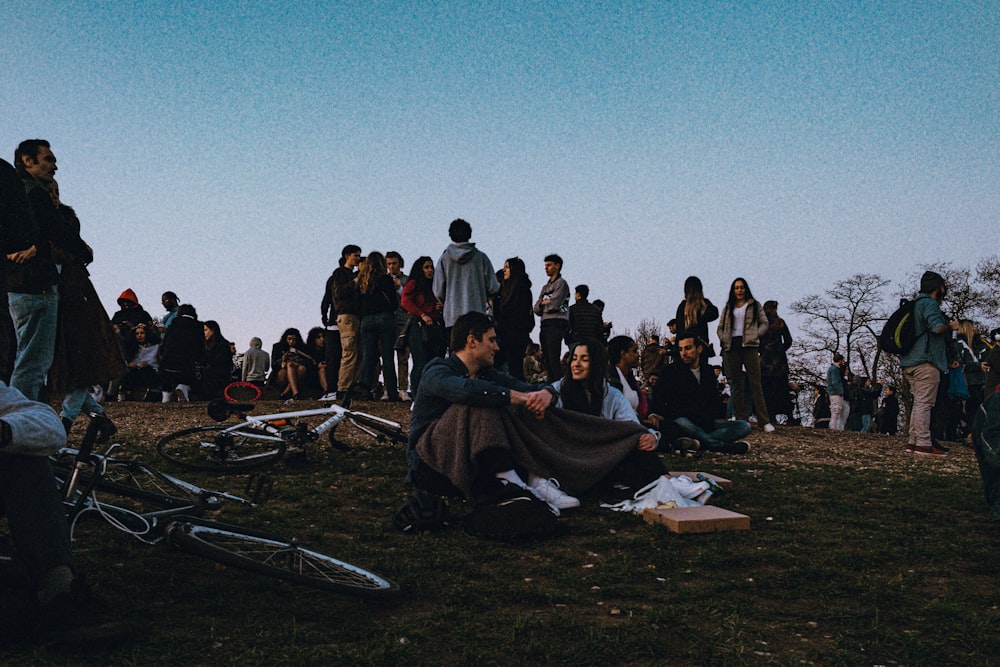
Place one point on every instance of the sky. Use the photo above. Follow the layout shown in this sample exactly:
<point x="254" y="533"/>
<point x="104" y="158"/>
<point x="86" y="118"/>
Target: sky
<point x="228" y="150"/>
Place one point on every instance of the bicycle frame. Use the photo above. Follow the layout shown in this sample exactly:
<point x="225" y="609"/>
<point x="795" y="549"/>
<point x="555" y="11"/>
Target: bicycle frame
<point x="339" y="414"/>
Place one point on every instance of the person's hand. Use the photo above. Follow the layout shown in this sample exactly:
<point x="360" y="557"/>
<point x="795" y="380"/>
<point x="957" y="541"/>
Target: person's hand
<point x="537" y="402"/>
<point x="654" y="420"/>
<point x="647" y="442"/>
<point x="22" y="256"/>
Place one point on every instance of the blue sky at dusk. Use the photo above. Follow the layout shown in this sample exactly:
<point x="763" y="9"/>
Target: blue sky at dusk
<point x="228" y="150"/>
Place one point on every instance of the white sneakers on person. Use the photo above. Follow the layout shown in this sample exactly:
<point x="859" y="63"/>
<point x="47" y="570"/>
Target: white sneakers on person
<point x="769" y="428"/>
<point x="548" y="490"/>
<point x="329" y="396"/>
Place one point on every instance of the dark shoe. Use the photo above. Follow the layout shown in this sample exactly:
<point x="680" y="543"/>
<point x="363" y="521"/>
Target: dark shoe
<point x="105" y="427"/>
<point x="736" y="447"/>
<point x="936" y="444"/>
<point x="78" y="617"/>
<point x="925" y="449"/>
<point x="685" y="445"/>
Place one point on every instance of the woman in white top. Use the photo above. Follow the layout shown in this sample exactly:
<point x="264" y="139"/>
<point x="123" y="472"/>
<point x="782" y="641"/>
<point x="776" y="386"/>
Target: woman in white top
<point x="741" y="326"/>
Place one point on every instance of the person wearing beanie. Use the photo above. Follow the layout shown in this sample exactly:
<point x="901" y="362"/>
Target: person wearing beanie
<point x="926" y="363"/>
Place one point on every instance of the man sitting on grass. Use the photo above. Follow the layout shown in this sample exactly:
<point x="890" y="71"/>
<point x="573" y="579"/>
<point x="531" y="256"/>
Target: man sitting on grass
<point x="688" y="394"/>
<point x="478" y="430"/>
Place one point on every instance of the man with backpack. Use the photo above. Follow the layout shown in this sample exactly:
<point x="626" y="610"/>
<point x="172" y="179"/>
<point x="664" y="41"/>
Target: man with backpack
<point x="926" y="362"/>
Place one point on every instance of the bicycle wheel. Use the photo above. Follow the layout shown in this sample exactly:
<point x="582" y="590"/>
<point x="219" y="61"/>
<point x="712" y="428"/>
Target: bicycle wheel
<point x="274" y="556"/>
<point x="218" y="449"/>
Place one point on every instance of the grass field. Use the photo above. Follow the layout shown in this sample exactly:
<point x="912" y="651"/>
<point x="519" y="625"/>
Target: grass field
<point x="858" y="554"/>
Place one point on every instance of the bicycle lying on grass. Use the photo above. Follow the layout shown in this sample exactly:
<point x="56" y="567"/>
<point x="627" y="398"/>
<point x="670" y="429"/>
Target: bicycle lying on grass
<point x="260" y="440"/>
<point x="155" y="507"/>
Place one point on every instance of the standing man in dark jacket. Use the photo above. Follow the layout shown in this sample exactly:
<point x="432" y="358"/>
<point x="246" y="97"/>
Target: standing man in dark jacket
<point x="17" y="225"/>
<point x="32" y="276"/>
<point x="342" y="304"/>
<point x="585" y="321"/>
<point x="553" y="308"/>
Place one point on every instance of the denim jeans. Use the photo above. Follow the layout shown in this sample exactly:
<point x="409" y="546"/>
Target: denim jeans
<point x="79" y="400"/>
<point x="34" y="317"/>
<point x="723" y="432"/>
<point x="378" y="335"/>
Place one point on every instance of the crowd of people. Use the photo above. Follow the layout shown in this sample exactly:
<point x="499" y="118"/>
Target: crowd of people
<point x="607" y="424"/>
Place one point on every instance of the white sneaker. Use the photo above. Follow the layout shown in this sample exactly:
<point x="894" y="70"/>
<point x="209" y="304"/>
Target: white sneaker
<point x="768" y="428"/>
<point x="548" y="490"/>
<point x="182" y="392"/>
<point x="329" y="396"/>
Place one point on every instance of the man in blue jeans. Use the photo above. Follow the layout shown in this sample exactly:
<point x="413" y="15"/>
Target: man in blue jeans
<point x="687" y="394"/>
<point x="32" y="275"/>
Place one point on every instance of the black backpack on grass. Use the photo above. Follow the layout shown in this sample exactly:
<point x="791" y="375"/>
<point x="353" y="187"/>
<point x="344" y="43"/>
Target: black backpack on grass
<point x="515" y="514"/>
<point x="900" y="331"/>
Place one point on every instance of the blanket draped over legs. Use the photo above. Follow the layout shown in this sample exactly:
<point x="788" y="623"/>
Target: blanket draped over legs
<point x="578" y="449"/>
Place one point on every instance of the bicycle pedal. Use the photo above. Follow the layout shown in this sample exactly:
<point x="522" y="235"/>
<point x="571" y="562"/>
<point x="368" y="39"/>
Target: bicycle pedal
<point x="258" y="487"/>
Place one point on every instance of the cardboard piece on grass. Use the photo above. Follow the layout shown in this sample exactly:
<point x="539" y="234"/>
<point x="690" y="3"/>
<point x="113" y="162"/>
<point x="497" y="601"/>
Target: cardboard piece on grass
<point x="702" y="519"/>
<point x="721" y="481"/>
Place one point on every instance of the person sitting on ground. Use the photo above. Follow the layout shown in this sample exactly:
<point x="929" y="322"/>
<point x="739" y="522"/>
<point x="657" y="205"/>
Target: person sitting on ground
<point x="623" y="356"/>
<point x="142" y="354"/>
<point x="316" y="349"/>
<point x="289" y="364"/>
<point x="476" y="430"/>
<point x="688" y="394"/>
<point x="534" y="369"/>
<point x="586" y="389"/>
<point x="256" y="363"/>
<point x="216" y="362"/>
<point x="130" y="313"/>
<point x="61" y="607"/>
<point x="180" y="351"/>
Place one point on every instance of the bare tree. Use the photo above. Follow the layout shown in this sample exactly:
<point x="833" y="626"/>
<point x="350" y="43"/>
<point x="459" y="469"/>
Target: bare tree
<point x="845" y="319"/>
<point x="968" y="298"/>
<point x="988" y="273"/>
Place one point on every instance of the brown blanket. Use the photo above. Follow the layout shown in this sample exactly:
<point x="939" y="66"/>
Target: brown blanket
<point x="577" y="449"/>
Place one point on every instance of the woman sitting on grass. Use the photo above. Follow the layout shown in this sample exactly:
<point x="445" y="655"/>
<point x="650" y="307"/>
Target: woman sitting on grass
<point x="289" y="364"/>
<point x="585" y="389"/>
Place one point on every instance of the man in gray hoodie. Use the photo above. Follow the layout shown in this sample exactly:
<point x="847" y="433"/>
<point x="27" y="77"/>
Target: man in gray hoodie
<point x="464" y="278"/>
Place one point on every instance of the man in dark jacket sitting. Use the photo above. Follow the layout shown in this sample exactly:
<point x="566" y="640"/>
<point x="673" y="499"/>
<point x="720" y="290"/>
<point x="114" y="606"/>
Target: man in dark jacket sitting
<point x="688" y="395"/>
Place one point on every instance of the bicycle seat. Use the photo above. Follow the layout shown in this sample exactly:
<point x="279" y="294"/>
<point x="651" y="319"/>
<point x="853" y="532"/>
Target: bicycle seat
<point x="219" y="410"/>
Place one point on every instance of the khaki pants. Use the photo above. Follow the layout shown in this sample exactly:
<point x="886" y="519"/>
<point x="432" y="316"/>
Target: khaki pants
<point x="350" y="343"/>
<point x="924" y="379"/>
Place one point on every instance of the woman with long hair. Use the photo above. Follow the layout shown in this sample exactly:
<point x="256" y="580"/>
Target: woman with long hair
<point x="585" y="389"/>
<point x="426" y="332"/>
<point x="623" y="356"/>
<point x="379" y="301"/>
<point x="741" y="327"/>
<point x="515" y="320"/>
<point x="216" y="363"/>
<point x="695" y="312"/>
<point x="316" y="348"/>
<point x="289" y="364"/>
<point x="86" y="348"/>
<point x="971" y="357"/>
<point x="774" y="346"/>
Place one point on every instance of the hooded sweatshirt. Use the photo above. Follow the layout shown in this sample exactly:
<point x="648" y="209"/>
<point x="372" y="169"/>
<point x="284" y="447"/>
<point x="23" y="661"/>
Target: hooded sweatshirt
<point x="464" y="280"/>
